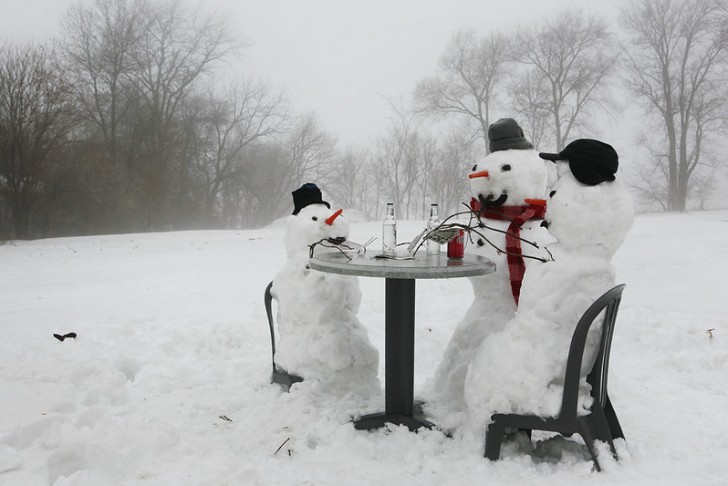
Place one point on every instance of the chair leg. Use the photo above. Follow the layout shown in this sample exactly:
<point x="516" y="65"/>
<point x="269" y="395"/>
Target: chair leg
<point x="601" y="427"/>
<point x="284" y="379"/>
<point x="614" y="426"/>
<point x="493" y="438"/>
<point x="586" y="434"/>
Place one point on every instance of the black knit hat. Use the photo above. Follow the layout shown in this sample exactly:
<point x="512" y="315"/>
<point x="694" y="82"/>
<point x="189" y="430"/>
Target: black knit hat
<point x="308" y="193"/>
<point x="591" y="161"/>
<point x="506" y="134"/>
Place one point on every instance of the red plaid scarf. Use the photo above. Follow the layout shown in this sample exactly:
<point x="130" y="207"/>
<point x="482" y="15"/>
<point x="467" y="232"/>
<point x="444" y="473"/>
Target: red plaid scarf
<point x="517" y="215"/>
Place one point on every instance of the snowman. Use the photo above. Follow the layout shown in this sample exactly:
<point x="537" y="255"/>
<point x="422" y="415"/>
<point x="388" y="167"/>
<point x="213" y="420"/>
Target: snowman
<point x="521" y="368"/>
<point x="321" y="338"/>
<point x="508" y="188"/>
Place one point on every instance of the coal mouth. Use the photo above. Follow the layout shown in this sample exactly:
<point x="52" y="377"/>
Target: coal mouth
<point x="337" y="241"/>
<point x="491" y="202"/>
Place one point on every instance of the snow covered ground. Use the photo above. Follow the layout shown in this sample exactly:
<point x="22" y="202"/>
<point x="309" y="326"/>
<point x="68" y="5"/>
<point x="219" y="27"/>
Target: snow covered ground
<point x="167" y="380"/>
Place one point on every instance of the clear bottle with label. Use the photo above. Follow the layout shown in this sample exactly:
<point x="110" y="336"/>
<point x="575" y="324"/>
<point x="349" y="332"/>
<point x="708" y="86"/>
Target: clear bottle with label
<point x="433" y="247"/>
<point x="389" y="231"/>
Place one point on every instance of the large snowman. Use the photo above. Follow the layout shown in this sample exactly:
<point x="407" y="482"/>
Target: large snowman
<point x="508" y="187"/>
<point x="520" y="369"/>
<point x="321" y="338"/>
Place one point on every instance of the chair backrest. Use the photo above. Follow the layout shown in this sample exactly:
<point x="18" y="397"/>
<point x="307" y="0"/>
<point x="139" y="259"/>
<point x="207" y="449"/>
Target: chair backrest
<point x="267" y="299"/>
<point x="597" y="378"/>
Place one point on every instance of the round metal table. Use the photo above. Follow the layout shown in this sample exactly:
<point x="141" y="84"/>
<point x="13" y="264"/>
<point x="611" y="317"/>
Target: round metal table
<point x="399" y="319"/>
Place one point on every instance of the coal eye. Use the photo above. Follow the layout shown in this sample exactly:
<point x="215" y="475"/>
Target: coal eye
<point x="551" y="194"/>
<point x="314" y="218"/>
<point x="506" y="168"/>
<point x="475" y="167"/>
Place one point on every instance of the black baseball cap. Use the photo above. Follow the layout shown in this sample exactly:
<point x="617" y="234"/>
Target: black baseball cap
<point x="591" y="161"/>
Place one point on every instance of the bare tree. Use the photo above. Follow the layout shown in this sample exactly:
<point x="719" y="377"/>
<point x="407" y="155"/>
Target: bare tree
<point x="396" y="162"/>
<point x="259" y="192"/>
<point x="97" y="43"/>
<point x="425" y="152"/>
<point x="529" y="95"/>
<point x="703" y="183"/>
<point x="246" y="112"/>
<point x="176" y="48"/>
<point x="36" y="117"/>
<point x="136" y="66"/>
<point x="574" y="56"/>
<point x="349" y="180"/>
<point x="677" y="63"/>
<point x="470" y="73"/>
<point x="649" y="180"/>
<point x="448" y="181"/>
<point x="310" y="150"/>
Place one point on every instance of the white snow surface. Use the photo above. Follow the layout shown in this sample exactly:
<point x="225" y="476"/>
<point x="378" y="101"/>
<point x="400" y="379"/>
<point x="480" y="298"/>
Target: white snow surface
<point x="168" y="380"/>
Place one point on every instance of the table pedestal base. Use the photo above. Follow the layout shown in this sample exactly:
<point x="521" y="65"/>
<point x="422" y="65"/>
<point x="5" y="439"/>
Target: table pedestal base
<point x="399" y="361"/>
<point x="378" y="420"/>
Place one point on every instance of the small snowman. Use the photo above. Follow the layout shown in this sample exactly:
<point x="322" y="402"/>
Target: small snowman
<point x="321" y="338"/>
<point x="509" y="189"/>
<point x="521" y="368"/>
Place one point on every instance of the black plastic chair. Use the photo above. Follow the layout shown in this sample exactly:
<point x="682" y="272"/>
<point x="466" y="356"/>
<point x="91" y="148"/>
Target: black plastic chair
<point x="601" y="423"/>
<point x="279" y="375"/>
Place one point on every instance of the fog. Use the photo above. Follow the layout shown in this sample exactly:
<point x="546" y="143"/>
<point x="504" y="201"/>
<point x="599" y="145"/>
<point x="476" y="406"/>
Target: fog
<point x="373" y="101"/>
<point x="343" y="60"/>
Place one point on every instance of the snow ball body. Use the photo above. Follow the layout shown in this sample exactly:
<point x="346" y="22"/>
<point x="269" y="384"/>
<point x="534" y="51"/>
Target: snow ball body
<point x="521" y="368"/>
<point x="588" y="220"/>
<point x="321" y="337"/>
<point x="514" y="176"/>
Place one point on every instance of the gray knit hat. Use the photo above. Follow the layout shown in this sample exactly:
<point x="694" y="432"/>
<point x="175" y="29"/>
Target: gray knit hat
<point x="506" y="134"/>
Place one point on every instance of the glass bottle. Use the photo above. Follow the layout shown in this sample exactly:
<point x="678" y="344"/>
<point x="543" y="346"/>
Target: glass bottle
<point x="389" y="231"/>
<point x="433" y="247"/>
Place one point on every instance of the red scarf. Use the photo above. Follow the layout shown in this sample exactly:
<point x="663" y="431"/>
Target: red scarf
<point x="517" y="215"/>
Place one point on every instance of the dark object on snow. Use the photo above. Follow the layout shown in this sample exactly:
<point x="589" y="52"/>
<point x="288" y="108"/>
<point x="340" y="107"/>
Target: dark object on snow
<point x="601" y="423"/>
<point x="308" y="193"/>
<point x="506" y="134"/>
<point x="61" y="337"/>
<point x="591" y="161"/>
<point x="280" y="376"/>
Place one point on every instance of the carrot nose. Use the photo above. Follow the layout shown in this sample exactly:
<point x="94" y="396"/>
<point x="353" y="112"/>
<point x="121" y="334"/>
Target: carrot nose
<point x="331" y="218"/>
<point x="482" y="173"/>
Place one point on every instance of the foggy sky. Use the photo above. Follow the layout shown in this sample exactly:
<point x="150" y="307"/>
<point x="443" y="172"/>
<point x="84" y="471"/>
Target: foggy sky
<point x="339" y="58"/>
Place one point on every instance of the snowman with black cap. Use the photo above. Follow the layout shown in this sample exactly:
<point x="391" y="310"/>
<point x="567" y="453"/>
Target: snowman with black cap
<point x="520" y="369"/>
<point x="321" y="338"/>
<point x="508" y="189"/>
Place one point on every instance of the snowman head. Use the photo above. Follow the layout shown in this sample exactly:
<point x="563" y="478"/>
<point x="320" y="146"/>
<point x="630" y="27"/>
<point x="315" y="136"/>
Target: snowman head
<point x="508" y="178"/>
<point x="312" y="224"/>
<point x="589" y="211"/>
<point x="512" y="172"/>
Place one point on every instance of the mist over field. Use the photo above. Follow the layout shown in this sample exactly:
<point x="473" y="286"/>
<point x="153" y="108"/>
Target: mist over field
<point x="177" y="115"/>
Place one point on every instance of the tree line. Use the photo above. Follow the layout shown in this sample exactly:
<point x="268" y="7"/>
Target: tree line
<point x="130" y="122"/>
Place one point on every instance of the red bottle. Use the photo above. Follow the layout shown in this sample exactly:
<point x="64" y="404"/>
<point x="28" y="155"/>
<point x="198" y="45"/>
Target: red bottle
<point x="456" y="246"/>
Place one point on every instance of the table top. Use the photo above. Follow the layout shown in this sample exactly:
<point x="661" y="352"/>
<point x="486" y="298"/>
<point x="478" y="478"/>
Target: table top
<point x="422" y="266"/>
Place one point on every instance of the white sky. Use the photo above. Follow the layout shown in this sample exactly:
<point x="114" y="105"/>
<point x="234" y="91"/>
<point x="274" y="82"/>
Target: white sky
<point x="342" y="59"/>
